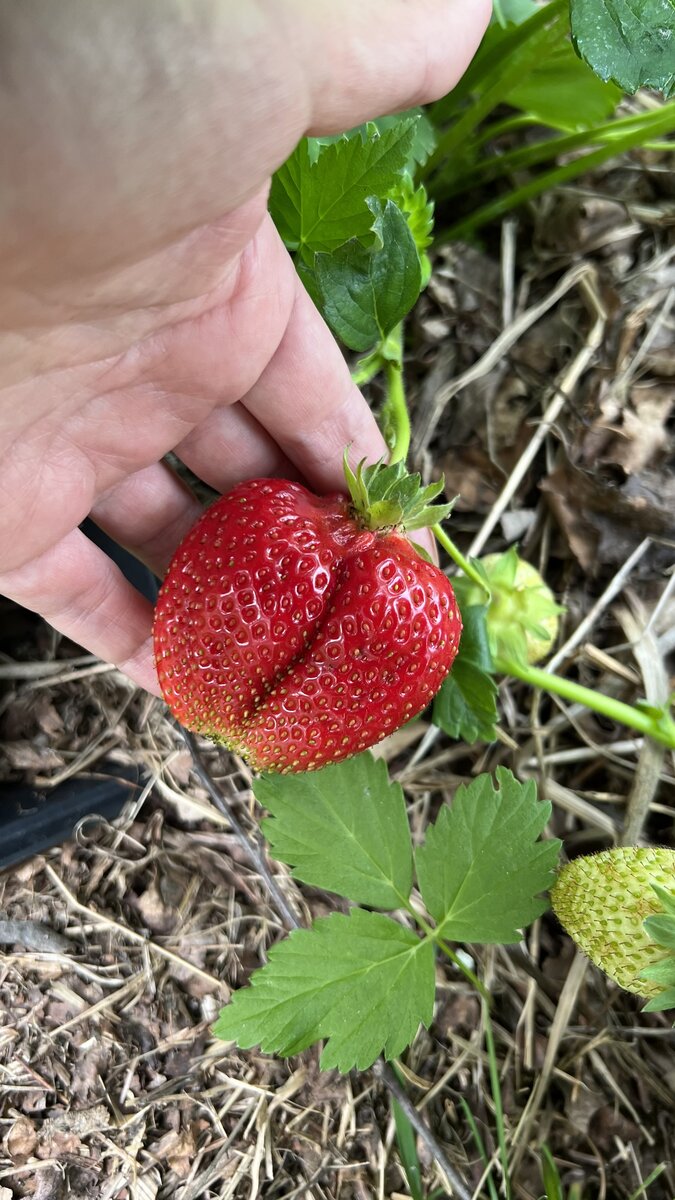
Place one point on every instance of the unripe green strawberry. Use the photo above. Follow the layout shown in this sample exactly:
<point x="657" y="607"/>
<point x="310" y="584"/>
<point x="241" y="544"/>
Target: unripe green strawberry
<point x="603" y="899"/>
<point x="298" y="629"/>
<point x="523" y="617"/>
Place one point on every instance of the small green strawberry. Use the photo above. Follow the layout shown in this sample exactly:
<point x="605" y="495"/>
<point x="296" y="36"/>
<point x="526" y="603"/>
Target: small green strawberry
<point x="523" y="616"/>
<point x="619" y="906"/>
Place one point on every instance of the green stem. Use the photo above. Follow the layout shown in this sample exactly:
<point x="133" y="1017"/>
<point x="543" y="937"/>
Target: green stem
<point x="654" y="723"/>
<point x="497" y="1098"/>
<point x="427" y="929"/>
<point x="550" y="179"/>
<point x="491" y="1052"/>
<point x="365" y="370"/>
<point x="397" y="413"/>
<point x="496" y="166"/>
<point x="492" y="77"/>
<point x="461" y="966"/>
<point x="396" y="417"/>
<point x="499" y="128"/>
<point x="463" y="563"/>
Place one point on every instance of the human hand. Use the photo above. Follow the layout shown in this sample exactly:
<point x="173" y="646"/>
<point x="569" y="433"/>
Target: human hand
<point x="147" y="303"/>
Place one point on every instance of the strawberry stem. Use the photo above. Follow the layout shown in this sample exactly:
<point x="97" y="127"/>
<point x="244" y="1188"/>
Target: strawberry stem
<point x="396" y="419"/>
<point x="465" y="970"/>
<point x="654" y="722"/>
<point x="463" y="563"/>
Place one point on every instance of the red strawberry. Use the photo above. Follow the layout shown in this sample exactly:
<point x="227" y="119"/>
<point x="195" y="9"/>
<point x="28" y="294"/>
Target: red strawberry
<point x="300" y="629"/>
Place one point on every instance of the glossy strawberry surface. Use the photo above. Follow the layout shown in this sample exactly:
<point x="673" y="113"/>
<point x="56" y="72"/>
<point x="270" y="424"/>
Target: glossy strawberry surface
<point x="296" y="637"/>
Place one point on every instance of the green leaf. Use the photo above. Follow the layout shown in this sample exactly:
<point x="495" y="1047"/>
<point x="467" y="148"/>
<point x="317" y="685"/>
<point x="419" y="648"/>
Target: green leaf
<point x="667" y="899"/>
<point x="365" y="293"/>
<point x="406" y="1139"/>
<point x="466" y="707"/>
<point x="481" y="868"/>
<point x="424" y="135"/>
<point x="661" y="972"/>
<point x="661" y="1002"/>
<point x="631" y="42"/>
<point x="550" y="1176"/>
<point x="343" y="828"/>
<point x="423" y="142"/>
<point x="321" y="205"/>
<point x="506" y="56"/>
<point x="512" y="12"/>
<point x="661" y="929"/>
<point x="362" y="980"/>
<point x="419" y="213"/>
<point x="565" y="93"/>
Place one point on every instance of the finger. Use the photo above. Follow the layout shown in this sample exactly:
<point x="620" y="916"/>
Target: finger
<point x="306" y="400"/>
<point x="77" y="588"/>
<point x="230" y="446"/>
<point x="363" y="60"/>
<point x="149" y="513"/>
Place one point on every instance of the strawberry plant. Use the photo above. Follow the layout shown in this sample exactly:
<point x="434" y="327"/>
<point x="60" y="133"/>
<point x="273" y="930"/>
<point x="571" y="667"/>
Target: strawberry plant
<point x="363" y="981"/>
<point x="527" y="76"/>
<point x="299" y="630"/>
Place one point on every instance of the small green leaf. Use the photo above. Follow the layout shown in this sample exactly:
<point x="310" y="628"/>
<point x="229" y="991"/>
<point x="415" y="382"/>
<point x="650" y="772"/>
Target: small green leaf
<point x="424" y="137"/>
<point x="321" y="204"/>
<point x="667" y="899"/>
<point x="365" y="293"/>
<point x="481" y="868"/>
<point x="362" y="980"/>
<point x="419" y="213"/>
<point x="388" y="495"/>
<point x="663" y="1001"/>
<point x="661" y="929"/>
<point x="406" y="1139"/>
<point x="631" y="42"/>
<point x="423" y="143"/>
<point x="466" y="705"/>
<point x="512" y="12"/>
<point x="550" y="1176"/>
<point x="565" y="93"/>
<point x="661" y="972"/>
<point x="343" y="828"/>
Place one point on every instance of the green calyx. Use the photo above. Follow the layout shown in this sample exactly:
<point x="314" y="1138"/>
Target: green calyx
<point x="388" y="497"/>
<point x="523" y="617"/>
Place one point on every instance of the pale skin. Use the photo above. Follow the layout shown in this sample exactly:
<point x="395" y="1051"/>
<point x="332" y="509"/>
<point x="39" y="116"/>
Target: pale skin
<point x="146" y="301"/>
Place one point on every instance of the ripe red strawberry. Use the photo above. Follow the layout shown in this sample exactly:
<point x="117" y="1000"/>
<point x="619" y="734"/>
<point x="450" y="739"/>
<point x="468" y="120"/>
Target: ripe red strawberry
<point x="301" y="629"/>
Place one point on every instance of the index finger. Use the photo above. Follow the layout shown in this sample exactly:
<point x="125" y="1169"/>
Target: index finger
<point x="306" y="399"/>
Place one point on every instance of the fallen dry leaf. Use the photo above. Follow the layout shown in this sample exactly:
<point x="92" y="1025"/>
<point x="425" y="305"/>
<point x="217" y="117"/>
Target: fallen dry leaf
<point x="57" y="1143"/>
<point x="631" y="434"/>
<point x="178" y="1150"/>
<point x="21" y="1140"/>
<point x="603" y="523"/>
<point x="154" y="911"/>
<point x="25" y="756"/>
